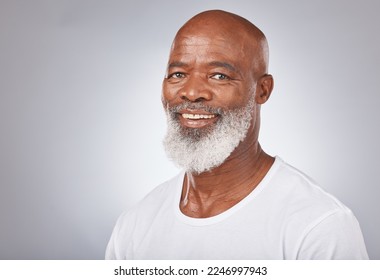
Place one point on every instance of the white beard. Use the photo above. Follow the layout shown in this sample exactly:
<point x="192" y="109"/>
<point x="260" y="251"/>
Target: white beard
<point x="200" y="150"/>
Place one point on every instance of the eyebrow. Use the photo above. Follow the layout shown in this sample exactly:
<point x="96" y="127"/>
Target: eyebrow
<point x="177" y="64"/>
<point x="212" y="63"/>
<point x="224" y="65"/>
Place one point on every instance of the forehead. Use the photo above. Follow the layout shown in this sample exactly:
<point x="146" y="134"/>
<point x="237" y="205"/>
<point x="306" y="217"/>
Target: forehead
<point x="211" y="47"/>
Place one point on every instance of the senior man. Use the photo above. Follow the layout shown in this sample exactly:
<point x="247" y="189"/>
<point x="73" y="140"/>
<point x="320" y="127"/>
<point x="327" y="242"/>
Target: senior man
<point x="232" y="200"/>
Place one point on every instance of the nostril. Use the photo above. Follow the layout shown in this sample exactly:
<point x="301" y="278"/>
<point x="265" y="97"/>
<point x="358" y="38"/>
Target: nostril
<point x="199" y="99"/>
<point x="195" y="93"/>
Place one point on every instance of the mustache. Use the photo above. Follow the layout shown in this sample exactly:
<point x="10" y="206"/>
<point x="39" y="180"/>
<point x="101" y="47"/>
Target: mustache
<point x="195" y="106"/>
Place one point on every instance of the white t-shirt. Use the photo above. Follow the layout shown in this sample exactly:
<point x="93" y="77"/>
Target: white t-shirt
<point x="287" y="216"/>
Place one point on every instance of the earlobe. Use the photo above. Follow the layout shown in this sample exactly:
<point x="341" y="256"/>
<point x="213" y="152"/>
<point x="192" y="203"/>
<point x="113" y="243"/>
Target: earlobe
<point x="264" y="88"/>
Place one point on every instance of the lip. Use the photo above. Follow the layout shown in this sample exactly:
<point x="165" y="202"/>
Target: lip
<point x="202" y="118"/>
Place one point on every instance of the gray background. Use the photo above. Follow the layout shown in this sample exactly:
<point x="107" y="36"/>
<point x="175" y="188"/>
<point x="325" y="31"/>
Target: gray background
<point x="81" y="120"/>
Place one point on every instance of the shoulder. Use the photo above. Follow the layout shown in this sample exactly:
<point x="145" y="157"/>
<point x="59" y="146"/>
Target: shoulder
<point x="301" y="192"/>
<point x="296" y="199"/>
<point x="161" y="196"/>
<point x="140" y="217"/>
<point x="318" y="225"/>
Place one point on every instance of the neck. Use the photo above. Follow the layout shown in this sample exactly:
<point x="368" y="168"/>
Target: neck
<point x="213" y="192"/>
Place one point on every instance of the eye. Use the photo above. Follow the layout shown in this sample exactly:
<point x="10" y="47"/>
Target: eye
<point x="176" y="75"/>
<point x="219" y="76"/>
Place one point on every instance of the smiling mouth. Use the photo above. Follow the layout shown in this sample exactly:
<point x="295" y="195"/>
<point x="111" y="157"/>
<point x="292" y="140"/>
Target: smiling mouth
<point x="197" y="116"/>
<point x="199" y="120"/>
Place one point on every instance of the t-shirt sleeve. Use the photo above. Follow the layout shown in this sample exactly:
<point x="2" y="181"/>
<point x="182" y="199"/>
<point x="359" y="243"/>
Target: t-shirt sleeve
<point x="111" y="250"/>
<point x="111" y="253"/>
<point x="334" y="236"/>
<point x="118" y="247"/>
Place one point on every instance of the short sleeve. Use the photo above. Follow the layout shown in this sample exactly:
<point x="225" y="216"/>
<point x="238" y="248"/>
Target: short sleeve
<point x="119" y="245"/>
<point x="334" y="236"/>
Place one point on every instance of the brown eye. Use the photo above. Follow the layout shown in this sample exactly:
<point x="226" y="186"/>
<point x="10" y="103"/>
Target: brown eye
<point x="219" y="76"/>
<point x="177" y="75"/>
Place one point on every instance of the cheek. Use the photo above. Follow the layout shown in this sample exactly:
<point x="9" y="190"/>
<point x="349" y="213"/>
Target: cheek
<point x="230" y="98"/>
<point x="169" y="93"/>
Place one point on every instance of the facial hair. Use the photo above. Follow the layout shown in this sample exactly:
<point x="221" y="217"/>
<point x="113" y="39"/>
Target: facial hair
<point x="198" y="150"/>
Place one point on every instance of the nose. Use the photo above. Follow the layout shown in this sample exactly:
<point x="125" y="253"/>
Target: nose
<point x="195" y="90"/>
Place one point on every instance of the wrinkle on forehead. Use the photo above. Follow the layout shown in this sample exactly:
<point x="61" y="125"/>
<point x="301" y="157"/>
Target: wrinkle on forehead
<point x="204" y="40"/>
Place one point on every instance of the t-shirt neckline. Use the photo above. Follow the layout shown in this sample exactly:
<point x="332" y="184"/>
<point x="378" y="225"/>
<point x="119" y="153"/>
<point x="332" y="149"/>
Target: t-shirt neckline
<point x="224" y="215"/>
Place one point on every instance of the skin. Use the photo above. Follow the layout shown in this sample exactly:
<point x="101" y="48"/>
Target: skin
<point x="221" y="60"/>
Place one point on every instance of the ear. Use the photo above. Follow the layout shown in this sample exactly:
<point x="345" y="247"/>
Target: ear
<point x="264" y="88"/>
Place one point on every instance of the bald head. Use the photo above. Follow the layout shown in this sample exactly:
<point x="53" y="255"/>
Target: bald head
<point x="215" y="24"/>
<point x="214" y="52"/>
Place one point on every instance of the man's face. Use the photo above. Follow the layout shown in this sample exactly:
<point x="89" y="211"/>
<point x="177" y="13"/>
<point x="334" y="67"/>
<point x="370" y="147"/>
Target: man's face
<point x="209" y="69"/>
<point x="208" y="93"/>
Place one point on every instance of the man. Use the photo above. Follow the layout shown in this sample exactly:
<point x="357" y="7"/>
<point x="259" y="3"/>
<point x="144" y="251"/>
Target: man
<point x="232" y="200"/>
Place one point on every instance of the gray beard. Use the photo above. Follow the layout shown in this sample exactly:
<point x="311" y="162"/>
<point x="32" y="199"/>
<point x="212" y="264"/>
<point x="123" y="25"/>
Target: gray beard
<point x="201" y="150"/>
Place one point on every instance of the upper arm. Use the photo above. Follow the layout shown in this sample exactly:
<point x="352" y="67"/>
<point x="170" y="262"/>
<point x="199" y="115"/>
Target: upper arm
<point x="337" y="235"/>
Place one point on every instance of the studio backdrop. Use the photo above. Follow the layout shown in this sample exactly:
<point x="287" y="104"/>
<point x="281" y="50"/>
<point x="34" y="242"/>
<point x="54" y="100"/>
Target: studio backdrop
<point x="82" y="124"/>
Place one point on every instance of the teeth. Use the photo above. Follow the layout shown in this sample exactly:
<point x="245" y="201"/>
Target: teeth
<point x="196" y="116"/>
